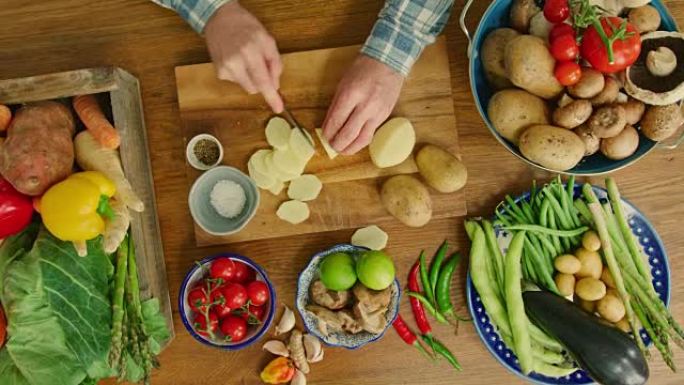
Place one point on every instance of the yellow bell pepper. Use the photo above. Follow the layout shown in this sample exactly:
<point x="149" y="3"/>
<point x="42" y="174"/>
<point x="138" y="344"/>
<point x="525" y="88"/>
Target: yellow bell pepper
<point x="72" y="209"/>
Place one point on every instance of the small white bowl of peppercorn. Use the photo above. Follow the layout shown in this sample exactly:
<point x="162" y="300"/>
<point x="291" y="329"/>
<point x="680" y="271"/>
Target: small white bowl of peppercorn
<point x="204" y="151"/>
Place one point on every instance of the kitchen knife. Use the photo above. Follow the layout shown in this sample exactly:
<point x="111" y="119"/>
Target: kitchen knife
<point x="293" y="122"/>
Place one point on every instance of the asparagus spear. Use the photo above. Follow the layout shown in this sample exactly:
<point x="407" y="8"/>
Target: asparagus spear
<point x="118" y="303"/>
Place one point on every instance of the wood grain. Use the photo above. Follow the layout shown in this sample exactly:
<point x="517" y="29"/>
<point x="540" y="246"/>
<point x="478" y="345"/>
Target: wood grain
<point x="350" y="196"/>
<point x="148" y="41"/>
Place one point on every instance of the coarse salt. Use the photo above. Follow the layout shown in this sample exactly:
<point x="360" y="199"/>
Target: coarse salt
<point x="228" y="198"/>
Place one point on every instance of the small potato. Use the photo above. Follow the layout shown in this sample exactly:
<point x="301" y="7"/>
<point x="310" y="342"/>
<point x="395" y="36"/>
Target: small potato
<point x="634" y="110"/>
<point x="407" y="199"/>
<point x="530" y="66"/>
<point x="623" y="325"/>
<point x="591" y="263"/>
<point x="440" y="169"/>
<point x="567" y="264"/>
<point x="607" y="121"/>
<point x="591" y="142"/>
<point x="621" y="146"/>
<point x="591" y="241"/>
<point x="591" y="84"/>
<point x="552" y="147"/>
<point x="645" y="18"/>
<point x="611" y="308"/>
<point x="572" y="114"/>
<point x="609" y="94"/>
<point x="590" y="289"/>
<point x="492" y="54"/>
<point x="588" y="306"/>
<point x="607" y="278"/>
<point x="565" y="284"/>
<point x="512" y="111"/>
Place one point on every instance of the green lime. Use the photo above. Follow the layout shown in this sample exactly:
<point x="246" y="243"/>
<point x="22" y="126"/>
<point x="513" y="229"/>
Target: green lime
<point x="337" y="271"/>
<point x="375" y="270"/>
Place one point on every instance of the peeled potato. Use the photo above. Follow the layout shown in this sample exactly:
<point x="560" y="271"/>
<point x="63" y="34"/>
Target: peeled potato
<point x="332" y="154"/>
<point x="259" y="171"/>
<point x="371" y="237"/>
<point x="288" y="163"/>
<point x="278" y="132"/>
<point x="301" y="146"/>
<point x="393" y="143"/>
<point x="275" y="172"/>
<point x="305" y="188"/>
<point x="293" y="211"/>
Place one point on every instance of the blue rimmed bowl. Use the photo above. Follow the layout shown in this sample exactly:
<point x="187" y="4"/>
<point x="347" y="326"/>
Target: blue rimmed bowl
<point x="651" y="246"/>
<point x="200" y="271"/>
<point x="497" y="16"/>
<point x="303" y="298"/>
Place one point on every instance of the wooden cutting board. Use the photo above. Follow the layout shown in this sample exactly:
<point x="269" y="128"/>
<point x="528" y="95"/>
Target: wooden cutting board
<point x="350" y="196"/>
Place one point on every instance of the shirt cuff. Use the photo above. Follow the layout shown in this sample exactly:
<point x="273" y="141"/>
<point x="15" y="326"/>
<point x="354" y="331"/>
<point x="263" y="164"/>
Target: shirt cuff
<point x="390" y="45"/>
<point x="201" y="12"/>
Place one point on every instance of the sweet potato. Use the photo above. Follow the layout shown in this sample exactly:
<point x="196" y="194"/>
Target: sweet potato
<point x="39" y="149"/>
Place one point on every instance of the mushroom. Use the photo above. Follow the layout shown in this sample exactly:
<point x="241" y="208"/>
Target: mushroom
<point x="572" y="114"/>
<point x="661" y="61"/>
<point x="622" y="145"/>
<point x="521" y="13"/>
<point x="634" y="110"/>
<point x="607" y="121"/>
<point x="591" y="141"/>
<point x="590" y="84"/>
<point x="642" y="80"/>
<point x="645" y="18"/>
<point x="660" y="122"/>
<point x="608" y="94"/>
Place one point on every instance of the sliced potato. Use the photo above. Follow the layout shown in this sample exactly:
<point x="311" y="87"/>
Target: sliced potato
<point x="332" y="154"/>
<point x="392" y="143"/>
<point x="371" y="237"/>
<point x="293" y="211"/>
<point x="277" y="187"/>
<point x="288" y="163"/>
<point x="305" y="188"/>
<point x="278" y="133"/>
<point x="256" y="166"/>
<point x="276" y="172"/>
<point x="301" y="146"/>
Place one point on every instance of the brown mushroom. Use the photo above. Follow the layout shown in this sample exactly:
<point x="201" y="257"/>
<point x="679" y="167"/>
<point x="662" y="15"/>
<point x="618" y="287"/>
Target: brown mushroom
<point x="608" y="94"/>
<point x="590" y="84"/>
<point x="572" y="114"/>
<point x="521" y="13"/>
<point x="661" y="122"/>
<point x="607" y="121"/>
<point x="622" y="145"/>
<point x="661" y="61"/>
<point x="634" y="110"/>
<point x="645" y="18"/>
<point x="591" y="141"/>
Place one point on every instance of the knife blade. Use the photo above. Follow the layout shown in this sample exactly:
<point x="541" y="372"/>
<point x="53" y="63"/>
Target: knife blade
<point x="293" y="122"/>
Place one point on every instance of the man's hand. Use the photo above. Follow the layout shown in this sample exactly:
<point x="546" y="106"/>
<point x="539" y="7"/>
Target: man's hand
<point x="364" y="98"/>
<point x="244" y="52"/>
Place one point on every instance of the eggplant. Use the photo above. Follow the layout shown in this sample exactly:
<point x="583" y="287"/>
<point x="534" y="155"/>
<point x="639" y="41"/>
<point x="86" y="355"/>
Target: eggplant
<point x="606" y="353"/>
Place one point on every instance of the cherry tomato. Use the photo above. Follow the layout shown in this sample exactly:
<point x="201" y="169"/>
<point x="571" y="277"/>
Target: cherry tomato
<point x="198" y="299"/>
<point x="223" y="268"/>
<point x="556" y="11"/>
<point x="625" y="51"/>
<point x="257" y="292"/>
<point x="567" y="72"/>
<point x="564" y="48"/>
<point x="235" y="295"/>
<point x="561" y="29"/>
<point x="234" y="328"/>
<point x="243" y="273"/>
<point x="200" y="323"/>
<point x="219" y="300"/>
<point x="254" y="315"/>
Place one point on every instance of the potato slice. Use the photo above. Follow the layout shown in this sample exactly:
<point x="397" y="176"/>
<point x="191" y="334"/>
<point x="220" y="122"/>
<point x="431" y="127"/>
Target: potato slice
<point x="332" y="154"/>
<point x="277" y="187"/>
<point x="371" y="237"/>
<point x="276" y="172"/>
<point x="288" y="163"/>
<point x="305" y="188"/>
<point x="258" y="171"/>
<point x="392" y="143"/>
<point x="293" y="211"/>
<point x="278" y="132"/>
<point x="301" y="146"/>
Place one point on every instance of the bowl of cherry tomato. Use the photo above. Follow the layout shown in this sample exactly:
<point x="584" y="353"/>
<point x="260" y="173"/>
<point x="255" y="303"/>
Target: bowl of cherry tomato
<point x="227" y="301"/>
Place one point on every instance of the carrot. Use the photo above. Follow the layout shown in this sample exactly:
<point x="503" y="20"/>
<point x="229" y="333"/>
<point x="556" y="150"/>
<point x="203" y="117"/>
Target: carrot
<point x="95" y="121"/>
<point x="5" y="117"/>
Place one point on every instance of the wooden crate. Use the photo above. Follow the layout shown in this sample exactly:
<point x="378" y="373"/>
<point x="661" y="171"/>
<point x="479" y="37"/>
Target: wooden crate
<point x="122" y="91"/>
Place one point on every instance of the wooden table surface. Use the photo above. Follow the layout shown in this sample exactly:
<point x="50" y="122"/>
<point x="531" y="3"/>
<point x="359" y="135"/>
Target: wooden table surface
<point x="48" y="36"/>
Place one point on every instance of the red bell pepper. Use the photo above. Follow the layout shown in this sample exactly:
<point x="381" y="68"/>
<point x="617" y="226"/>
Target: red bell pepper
<point x="16" y="210"/>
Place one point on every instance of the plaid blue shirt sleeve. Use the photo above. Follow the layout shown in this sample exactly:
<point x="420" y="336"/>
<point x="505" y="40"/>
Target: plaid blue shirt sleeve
<point x="195" y="12"/>
<point x="404" y="28"/>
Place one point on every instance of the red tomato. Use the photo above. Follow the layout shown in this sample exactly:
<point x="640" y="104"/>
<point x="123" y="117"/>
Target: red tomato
<point x="223" y="268"/>
<point x="257" y="292"/>
<point x="243" y="273"/>
<point x="567" y="72"/>
<point x="219" y="300"/>
<point x="564" y="48"/>
<point x="198" y="299"/>
<point x="235" y="295"/>
<point x="561" y="29"/>
<point x="625" y="51"/>
<point x="234" y="328"/>
<point x="200" y="323"/>
<point x="254" y="316"/>
<point x="556" y="11"/>
<point x="222" y="311"/>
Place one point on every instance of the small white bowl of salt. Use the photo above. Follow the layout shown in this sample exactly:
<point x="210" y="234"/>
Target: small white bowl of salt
<point x="223" y="200"/>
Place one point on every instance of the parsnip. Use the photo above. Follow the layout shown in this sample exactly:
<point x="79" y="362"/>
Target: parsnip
<point x="90" y="155"/>
<point x="117" y="227"/>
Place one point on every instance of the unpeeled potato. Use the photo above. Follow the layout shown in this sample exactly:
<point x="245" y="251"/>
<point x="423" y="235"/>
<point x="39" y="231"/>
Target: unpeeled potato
<point x="441" y="170"/>
<point x="407" y="199"/>
<point x="552" y="147"/>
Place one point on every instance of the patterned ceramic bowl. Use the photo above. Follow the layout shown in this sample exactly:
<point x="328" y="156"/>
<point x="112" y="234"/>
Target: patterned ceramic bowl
<point x="651" y="245"/>
<point x="338" y="339"/>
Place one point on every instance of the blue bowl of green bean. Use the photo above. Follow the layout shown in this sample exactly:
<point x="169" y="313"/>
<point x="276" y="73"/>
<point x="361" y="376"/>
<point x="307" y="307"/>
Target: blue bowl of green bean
<point x="652" y="247"/>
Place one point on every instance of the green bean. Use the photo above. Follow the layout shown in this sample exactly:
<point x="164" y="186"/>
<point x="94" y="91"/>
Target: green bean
<point x="514" y="206"/>
<point x="516" y="307"/>
<point x="528" y="263"/>
<point x="556" y="207"/>
<point x="542" y="268"/>
<point x="544" y="230"/>
<point x="495" y="252"/>
<point x="437" y="264"/>
<point x="547" y="356"/>
<point x="543" y="339"/>
<point x="470" y="228"/>
<point x="552" y="370"/>
<point x="443" y="287"/>
<point x="425" y="281"/>
<point x="543" y="213"/>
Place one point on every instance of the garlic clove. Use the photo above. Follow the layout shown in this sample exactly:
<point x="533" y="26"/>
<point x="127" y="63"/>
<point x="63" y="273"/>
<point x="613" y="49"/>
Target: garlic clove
<point x="317" y="358"/>
<point x="287" y="322"/>
<point x="299" y="378"/>
<point x="277" y="347"/>
<point x="312" y="346"/>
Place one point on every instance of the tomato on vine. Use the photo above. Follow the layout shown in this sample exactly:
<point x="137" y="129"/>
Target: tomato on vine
<point x="565" y="48"/>
<point x="556" y="11"/>
<point x="611" y="44"/>
<point x="200" y="324"/>
<point x="568" y="73"/>
<point x="234" y="328"/>
<point x="561" y="29"/>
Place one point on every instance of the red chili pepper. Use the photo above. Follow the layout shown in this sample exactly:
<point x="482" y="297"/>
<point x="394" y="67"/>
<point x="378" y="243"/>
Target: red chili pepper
<point x="407" y="335"/>
<point x="16" y="210"/>
<point x="418" y="310"/>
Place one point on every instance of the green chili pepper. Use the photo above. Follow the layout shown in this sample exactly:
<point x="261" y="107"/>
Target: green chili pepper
<point x="428" y="306"/>
<point x="437" y="265"/>
<point x="425" y="280"/>
<point x="442" y="350"/>
<point x="443" y="291"/>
